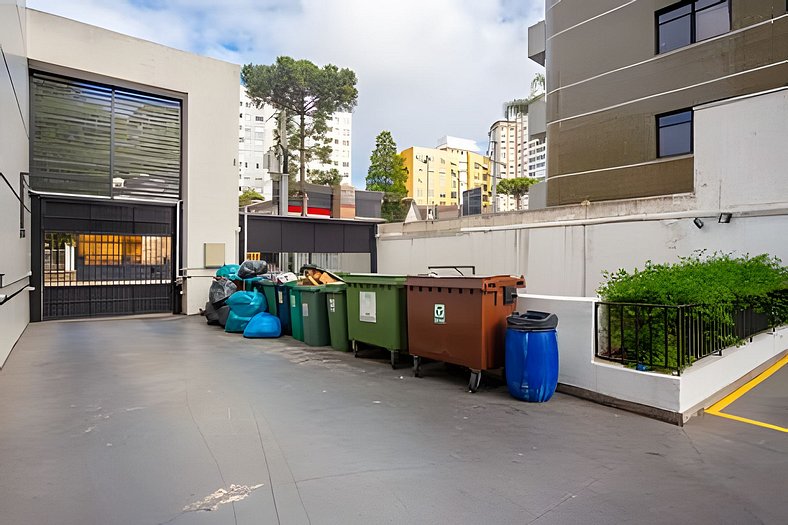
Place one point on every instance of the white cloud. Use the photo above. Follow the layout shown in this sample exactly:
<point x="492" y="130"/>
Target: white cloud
<point x="426" y="68"/>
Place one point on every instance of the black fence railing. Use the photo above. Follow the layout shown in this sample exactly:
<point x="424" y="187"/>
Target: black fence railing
<point x="670" y="338"/>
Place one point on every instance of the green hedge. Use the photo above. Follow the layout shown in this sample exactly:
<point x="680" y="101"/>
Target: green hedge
<point x="759" y="282"/>
<point x="719" y="284"/>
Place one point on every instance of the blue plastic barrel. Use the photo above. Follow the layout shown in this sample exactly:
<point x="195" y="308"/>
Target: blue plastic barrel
<point x="283" y="308"/>
<point x="532" y="355"/>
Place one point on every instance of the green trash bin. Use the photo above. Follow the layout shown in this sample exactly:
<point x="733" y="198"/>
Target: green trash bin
<point x="377" y="312"/>
<point x="314" y="315"/>
<point x="336" y="304"/>
<point x="268" y="288"/>
<point x="296" y="320"/>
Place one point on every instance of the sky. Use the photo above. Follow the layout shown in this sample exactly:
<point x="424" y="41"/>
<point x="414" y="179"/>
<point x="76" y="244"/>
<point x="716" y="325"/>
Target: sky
<point x="425" y="68"/>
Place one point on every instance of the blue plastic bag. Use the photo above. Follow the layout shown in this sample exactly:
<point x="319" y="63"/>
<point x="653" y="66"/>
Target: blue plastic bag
<point x="247" y="304"/>
<point x="263" y="325"/>
<point x="227" y="270"/>
<point x="235" y="323"/>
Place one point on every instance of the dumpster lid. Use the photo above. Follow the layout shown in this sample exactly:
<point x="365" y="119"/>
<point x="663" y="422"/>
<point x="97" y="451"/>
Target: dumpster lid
<point x="475" y="282"/>
<point x="532" y="320"/>
<point x="310" y="288"/>
<point x="335" y="287"/>
<point x="374" y="278"/>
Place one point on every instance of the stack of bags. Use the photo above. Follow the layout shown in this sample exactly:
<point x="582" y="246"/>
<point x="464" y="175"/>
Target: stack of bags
<point x="241" y="311"/>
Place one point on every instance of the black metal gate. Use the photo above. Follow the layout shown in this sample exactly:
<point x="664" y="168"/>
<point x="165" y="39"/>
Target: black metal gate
<point x="103" y="259"/>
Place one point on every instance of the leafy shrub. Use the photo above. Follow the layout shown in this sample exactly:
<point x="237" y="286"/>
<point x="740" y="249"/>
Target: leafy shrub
<point x="719" y="286"/>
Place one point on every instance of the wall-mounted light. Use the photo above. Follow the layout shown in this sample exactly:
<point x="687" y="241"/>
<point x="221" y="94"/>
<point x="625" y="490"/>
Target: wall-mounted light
<point x="725" y="218"/>
<point x="698" y="222"/>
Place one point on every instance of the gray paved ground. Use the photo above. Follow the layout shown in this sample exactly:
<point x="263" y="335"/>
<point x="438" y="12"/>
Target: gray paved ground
<point x="134" y="421"/>
<point x="767" y="402"/>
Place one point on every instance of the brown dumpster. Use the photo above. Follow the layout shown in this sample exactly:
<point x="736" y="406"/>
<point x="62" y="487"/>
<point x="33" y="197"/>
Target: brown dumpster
<point x="460" y="320"/>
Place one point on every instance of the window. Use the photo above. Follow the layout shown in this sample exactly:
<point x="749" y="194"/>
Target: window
<point x="259" y="119"/>
<point x="674" y="133"/>
<point x="74" y="148"/>
<point x="257" y="166"/>
<point x="688" y="22"/>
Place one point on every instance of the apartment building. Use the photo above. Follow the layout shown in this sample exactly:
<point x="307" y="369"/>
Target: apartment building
<point x="515" y="149"/>
<point x="437" y="176"/>
<point x="340" y="139"/>
<point x="255" y="137"/>
<point x="621" y="108"/>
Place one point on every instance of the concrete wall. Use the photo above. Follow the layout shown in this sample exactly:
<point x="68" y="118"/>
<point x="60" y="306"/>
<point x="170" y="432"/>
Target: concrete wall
<point x="210" y="185"/>
<point x="569" y="260"/>
<point x="685" y="394"/>
<point x="15" y="252"/>
<point x="741" y="159"/>
<point x="712" y="374"/>
<point x="576" y="364"/>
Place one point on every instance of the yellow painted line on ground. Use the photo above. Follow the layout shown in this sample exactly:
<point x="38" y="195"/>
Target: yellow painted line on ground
<point x="749" y="421"/>
<point x="716" y="408"/>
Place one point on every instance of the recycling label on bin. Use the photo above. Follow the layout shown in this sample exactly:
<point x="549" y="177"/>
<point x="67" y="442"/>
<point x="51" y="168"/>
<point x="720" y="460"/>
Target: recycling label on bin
<point x="440" y="314"/>
<point x="332" y="305"/>
<point x="367" y="307"/>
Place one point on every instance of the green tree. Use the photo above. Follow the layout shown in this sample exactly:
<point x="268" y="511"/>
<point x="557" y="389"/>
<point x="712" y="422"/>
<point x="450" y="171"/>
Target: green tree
<point x="538" y="84"/>
<point x="248" y="197"/>
<point x="387" y="173"/>
<point x="515" y="187"/>
<point x="330" y="177"/>
<point x="308" y="94"/>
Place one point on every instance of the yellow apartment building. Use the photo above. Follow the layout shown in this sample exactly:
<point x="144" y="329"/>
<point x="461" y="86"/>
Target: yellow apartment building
<point x="439" y="176"/>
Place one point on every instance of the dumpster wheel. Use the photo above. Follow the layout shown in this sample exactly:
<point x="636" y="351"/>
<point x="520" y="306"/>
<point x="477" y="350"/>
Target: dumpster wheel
<point x="474" y="381"/>
<point x="394" y="359"/>
<point x="354" y="344"/>
<point x="416" y="366"/>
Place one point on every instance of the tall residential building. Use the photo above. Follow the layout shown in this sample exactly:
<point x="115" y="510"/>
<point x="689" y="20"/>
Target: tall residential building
<point x="255" y="137"/>
<point x="340" y="139"/>
<point x="516" y="149"/>
<point x="256" y="128"/>
<point x="438" y="176"/>
<point x="621" y="109"/>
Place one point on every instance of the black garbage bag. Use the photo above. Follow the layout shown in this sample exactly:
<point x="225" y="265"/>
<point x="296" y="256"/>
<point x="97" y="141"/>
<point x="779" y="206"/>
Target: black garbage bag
<point x="221" y="289"/>
<point x="251" y="269"/>
<point x="210" y="314"/>
<point x="223" y="313"/>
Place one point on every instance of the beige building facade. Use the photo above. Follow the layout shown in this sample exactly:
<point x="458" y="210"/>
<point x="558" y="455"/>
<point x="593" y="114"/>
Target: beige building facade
<point x="620" y="107"/>
<point x="124" y="145"/>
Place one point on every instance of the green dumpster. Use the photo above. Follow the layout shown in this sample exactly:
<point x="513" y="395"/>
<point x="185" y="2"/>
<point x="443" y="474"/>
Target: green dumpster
<point x="314" y="315"/>
<point x="296" y="321"/>
<point x="377" y="312"/>
<point x="336" y="304"/>
<point x="268" y="288"/>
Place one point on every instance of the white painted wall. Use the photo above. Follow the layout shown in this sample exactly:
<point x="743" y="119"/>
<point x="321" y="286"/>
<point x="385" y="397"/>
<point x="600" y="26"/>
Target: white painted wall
<point x="569" y="260"/>
<point x="15" y="255"/>
<point x="493" y="253"/>
<point x="210" y="117"/>
<point x="711" y="374"/>
<point x="576" y="364"/>
<point x="741" y="159"/>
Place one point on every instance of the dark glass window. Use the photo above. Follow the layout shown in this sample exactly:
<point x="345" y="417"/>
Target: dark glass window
<point x="686" y="22"/>
<point x="100" y="140"/>
<point x="674" y="133"/>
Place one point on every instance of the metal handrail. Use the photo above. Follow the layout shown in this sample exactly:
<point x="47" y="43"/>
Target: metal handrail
<point x="14" y="192"/>
<point x="2" y="275"/>
<point x="4" y="298"/>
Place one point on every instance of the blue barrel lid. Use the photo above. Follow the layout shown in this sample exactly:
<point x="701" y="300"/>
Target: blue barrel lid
<point x="532" y="320"/>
